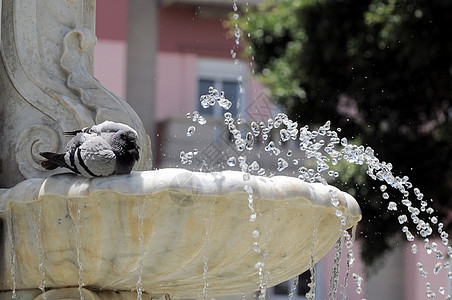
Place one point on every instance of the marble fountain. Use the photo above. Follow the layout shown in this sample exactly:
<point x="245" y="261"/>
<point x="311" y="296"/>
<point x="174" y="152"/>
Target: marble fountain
<point x="149" y="234"/>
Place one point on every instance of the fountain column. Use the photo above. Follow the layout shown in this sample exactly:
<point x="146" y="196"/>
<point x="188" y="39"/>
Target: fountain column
<point x="47" y="84"/>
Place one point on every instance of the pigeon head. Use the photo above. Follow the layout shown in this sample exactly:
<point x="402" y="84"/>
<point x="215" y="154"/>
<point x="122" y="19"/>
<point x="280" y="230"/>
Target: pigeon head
<point x="124" y="142"/>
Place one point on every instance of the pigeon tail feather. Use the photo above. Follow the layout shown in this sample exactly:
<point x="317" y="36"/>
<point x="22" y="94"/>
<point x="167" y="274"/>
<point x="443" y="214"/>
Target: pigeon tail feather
<point x="54" y="160"/>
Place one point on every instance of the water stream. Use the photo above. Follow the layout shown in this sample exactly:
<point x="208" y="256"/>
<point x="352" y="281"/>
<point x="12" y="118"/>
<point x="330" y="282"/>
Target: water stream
<point x="350" y="239"/>
<point x="310" y="295"/>
<point x="37" y="220"/>
<point x="78" y="247"/>
<point x="12" y="253"/>
<point x="141" y="216"/>
<point x="208" y="214"/>
<point x="334" y="280"/>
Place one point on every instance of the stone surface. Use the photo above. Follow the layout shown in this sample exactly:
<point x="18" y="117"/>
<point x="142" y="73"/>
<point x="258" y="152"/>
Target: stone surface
<point x="47" y="86"/>
<point x="185" y="220"/>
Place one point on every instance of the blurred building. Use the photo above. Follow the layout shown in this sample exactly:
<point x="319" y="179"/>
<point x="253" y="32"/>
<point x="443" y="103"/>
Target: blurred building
<point x="161" y="56"/>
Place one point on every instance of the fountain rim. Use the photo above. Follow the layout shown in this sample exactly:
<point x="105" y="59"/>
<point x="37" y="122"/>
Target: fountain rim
<point x="222" y="183"/>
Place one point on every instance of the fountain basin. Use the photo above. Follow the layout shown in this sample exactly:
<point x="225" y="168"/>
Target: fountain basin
<point x="170" y="222"/>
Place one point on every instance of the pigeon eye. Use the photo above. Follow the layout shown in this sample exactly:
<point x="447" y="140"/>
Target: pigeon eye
<point x="124" y="137"/>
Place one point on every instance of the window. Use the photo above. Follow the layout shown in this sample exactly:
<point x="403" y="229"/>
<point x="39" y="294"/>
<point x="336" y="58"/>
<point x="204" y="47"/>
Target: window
<point x="231" y="92"/>
<point x="223" y="75"/>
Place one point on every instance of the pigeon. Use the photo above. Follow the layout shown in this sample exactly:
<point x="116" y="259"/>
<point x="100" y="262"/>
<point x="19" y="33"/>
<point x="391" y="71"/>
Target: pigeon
<point x="100" y="150"/>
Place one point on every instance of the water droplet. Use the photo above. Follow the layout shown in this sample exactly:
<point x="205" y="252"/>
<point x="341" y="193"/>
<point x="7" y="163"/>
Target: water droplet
<point x="259" y="265"/>
<point x="285" y="136"/>
<point x="252" y="217"/>
<point x="403" y="219"/>
<point x="383" y="188"/>
<point x="261" y="171"/>
<point x="334" y="200"/>
<point x="195" y="116"/>
<point x="256" y="247"/>
<point x="248" y="189"/>
<point x="255" y="234"/>
<point x="434" y="246"/>
<point x="344" y="142"/>
<point x="255" y="128"/>
<point x="254" y="166"/>
<point x="270" y="146"/>
<point x="392" y="205"/>
<point x="191" y="130"/>
<point x="282" y="164"/>
<point x="406" y="202"/>
<point x="419" y="266"/>
<point x="202" y="120"/>
<point x="414" y="249"/>
<point x="437" y="268"/>
<point x="231" y="161"/>
<point x="246" y="176"/>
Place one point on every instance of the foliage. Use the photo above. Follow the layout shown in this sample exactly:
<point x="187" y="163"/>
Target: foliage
<point x="380" y="70"/>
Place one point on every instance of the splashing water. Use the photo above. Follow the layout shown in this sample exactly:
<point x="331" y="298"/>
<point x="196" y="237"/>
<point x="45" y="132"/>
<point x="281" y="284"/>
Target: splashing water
<point x="325" y="148"/>
<point x="12" y="253"/>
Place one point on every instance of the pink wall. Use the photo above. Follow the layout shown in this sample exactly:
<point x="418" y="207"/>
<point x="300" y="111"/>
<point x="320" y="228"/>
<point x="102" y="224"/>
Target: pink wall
<point x="110" y="65"/>
<point x="182" y="29"/>
<point x="111" y="19"/>
<point x="110" y="54"/>
<point x="176" y="85"/>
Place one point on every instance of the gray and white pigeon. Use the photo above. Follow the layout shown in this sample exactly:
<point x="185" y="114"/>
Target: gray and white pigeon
<point x="100" y="150"/>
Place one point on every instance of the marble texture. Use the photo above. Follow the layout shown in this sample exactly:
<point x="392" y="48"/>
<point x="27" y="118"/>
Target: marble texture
<point x="179" y="219"/>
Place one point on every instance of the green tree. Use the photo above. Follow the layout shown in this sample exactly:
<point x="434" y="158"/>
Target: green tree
<point x="379" y="69"/>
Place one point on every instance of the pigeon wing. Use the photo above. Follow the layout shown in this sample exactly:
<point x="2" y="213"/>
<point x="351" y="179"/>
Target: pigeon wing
<point x="95" y="158"/>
